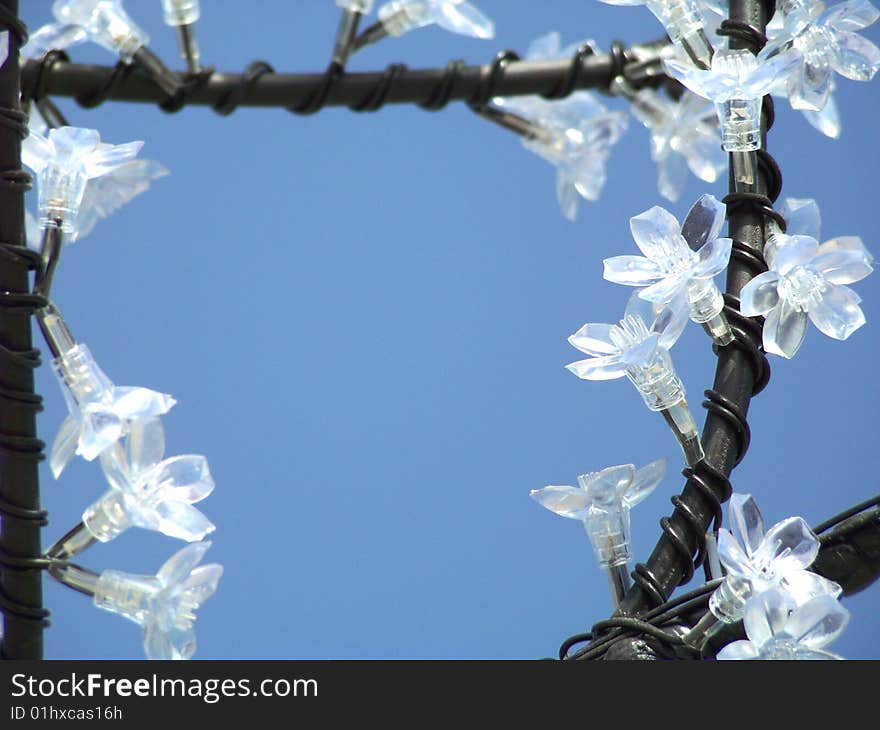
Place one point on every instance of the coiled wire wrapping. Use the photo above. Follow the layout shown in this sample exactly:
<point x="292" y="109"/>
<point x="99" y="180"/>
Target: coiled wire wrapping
<point x="375" y="98"/>
<point x="711" y="483"/>
<point x="13" y="446"/>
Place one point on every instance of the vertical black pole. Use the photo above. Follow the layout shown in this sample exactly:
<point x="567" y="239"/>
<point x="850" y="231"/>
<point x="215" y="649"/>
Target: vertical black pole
<point x="735" y="377"/>
<point x="21" y="595"/>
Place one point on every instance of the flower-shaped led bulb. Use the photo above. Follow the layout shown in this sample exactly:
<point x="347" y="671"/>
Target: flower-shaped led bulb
<point x="679" y="261"/>
<point x="64" y="162"/>
<point x="100" y="412"/>
<point x="684" y="134"/>
<point x="735" y="83"/>
<point x="164" y="604"/>
<point x="806" y="280"/>
<point x="149" y="491"/>
<point x="575" y="135"/>
<point x="603" y="501"/>
<point x="638" y="347"/>
<point x="456" y="16"/>
<point x="683" y="22"/>
<point x="765" y="559"/>
<point x="779" y="629"/>
<point x="106" y="23"/>
<point x="825" y="41"/>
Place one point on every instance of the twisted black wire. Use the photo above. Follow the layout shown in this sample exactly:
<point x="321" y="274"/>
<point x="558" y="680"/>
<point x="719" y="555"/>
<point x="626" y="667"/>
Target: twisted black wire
<point x="11" y="445"/>
<point x="712" y="483"/>
<point x="374" y="98"/>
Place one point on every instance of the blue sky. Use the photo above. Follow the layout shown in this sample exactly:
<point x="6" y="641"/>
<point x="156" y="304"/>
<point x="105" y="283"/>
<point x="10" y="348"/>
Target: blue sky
<point x="364" y="320"/>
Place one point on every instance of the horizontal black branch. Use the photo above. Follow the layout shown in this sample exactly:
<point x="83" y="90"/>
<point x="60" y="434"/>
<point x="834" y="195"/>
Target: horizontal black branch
<point x="59" y="77"/>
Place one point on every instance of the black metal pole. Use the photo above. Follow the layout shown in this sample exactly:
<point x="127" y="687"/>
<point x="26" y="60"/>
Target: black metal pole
<point x="21" y="594"/>
<point x="735" y="377"/>
<point x="405" y="86"/>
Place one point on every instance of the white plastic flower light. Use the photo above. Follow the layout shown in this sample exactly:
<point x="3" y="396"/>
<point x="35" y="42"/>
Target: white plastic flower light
<point x="64" y="162"/>
<point x="638" y="347"/>
<point x="807" y="280"/>
<point x="679" y="261"/>
<point x="106" y="194"/>
<point x="735" y="83"/>
<point x="684" y="134"/>
<point x="456" y="16"/>
<point x="575" y="135"/>
<point x="780" y="630"/>
<point x="165" y="604"/>
<point x="148" y="491"/>
<point x="105" y="22"/>
<point x="683" y="22"/>
<point x="100" y="412"/>
<point x="825" y="41"/>
<point x="603" y="501"/>
<point x="765" y="559"/>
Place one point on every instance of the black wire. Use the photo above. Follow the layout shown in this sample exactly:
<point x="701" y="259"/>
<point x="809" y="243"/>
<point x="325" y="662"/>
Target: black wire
<point x="575" y="75"/>
<point x="845" y="515"/>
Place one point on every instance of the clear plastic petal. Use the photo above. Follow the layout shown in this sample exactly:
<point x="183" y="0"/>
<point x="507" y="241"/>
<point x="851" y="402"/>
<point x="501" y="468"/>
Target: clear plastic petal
<point x="793" y="251"/>
<point x="145" y="444"/>
<point x="106" y="194"/>
<point x="644" y="482"/>
<point x="704" y="222"/>
<point x="844" y="260"/>
<point x="765" y="616"/>
<point x="666" y="289"/>
<point x="671" y="321"/>
<point x="136" y="402"/>
<point x="594" y="339"/>
<point x="732" y="556"/>
<point x="631" y="270"/>
<point x="180" y="565"/>
<point x="655" y="231"/>
<point x="114" y="464"/>
<point x="202" y="583"/>
<point x="707" y="84"/>
<point x="567" y="196"/>
<point x="463" y="18"/>
<point x="99" y="429"/>
<point x="705" y="157"/>
<point x="851" y="16"/>
<point x="746" y="520"/>
<point x="64" y="446"/>
<point x="857" y="58"/>
<point x="837" y="313"/>
<point x="818" y="622"/>
<point x="802" y="217"/>
<point x="642" y="353"/>
<point x="563" y="500"/>
<point x="789" y="545"/>
<point x="804" y="585"/>
<point x="108" y="157"/>
<point x="810" y="86"/>
<point x="671" y="175"/>
<point x="157" y="645"/>
<point x="784" y="329"/>
<point x="768" y="73"/>
<point x="826" y="121"/>
<point x="179" y="643"/>
<point x="598" y="368"/>
<point x="760" y="295"/>
<point x="36" y="152"/>
<point x="738" y="650"/>
<point x="52" y="36"/>
<point x="714" y="257"/>
<point x="182" y="521"/>
<point x="188" y="476"/>
<point x="612" y="481"/>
